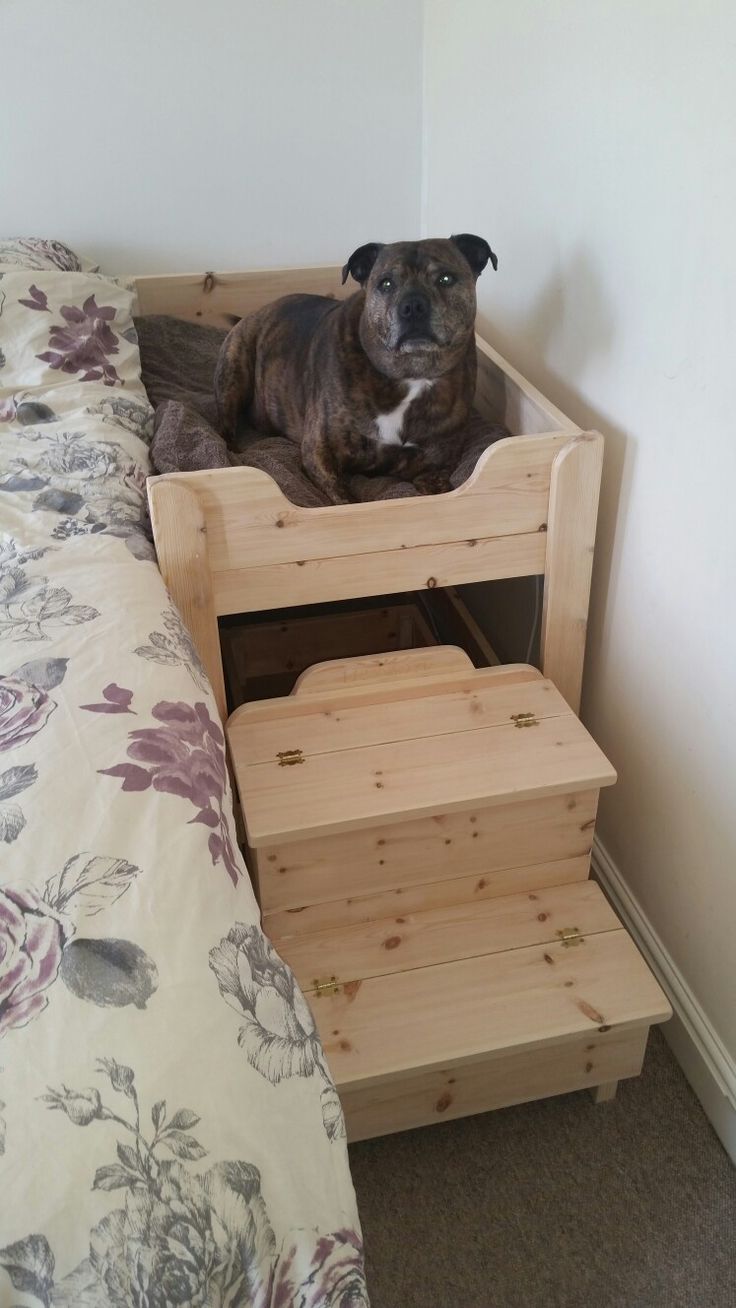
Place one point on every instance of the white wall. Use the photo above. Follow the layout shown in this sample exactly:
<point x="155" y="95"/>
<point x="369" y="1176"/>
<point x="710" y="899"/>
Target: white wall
<point x="594" y="144"/>
<point x="176" y="135"/>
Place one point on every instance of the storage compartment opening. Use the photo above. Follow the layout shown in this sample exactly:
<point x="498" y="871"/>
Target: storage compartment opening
<point x="264" y="653"/>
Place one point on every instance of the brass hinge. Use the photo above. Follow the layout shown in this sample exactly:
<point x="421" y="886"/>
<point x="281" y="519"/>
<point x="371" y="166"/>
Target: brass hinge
<point x="288" y="758"/>
<point x="326" y="986"/>
<point x="571" y="936"/>
<point x="524" y="720"/>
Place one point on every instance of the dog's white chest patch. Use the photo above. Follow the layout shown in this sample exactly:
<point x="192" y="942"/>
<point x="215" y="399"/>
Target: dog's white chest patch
<point x="389" y="426"/>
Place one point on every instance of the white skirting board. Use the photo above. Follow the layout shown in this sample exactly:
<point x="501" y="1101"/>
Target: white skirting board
<point x="706" y="1062"/>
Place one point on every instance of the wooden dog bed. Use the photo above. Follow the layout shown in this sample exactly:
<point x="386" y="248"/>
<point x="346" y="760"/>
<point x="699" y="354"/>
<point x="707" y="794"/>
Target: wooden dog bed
<point x="528" y="509"/>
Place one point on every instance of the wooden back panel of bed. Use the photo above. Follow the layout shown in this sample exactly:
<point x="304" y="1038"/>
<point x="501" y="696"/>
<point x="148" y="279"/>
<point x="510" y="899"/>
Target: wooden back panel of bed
<point x="229" y="541"/>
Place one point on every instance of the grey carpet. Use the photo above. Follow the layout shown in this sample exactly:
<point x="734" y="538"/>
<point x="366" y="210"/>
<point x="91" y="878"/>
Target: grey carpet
<point x="556" y="1204"/>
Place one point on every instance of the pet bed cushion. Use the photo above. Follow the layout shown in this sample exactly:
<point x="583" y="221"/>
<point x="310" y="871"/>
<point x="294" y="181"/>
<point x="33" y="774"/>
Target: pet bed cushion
<point x="178" y="362"/>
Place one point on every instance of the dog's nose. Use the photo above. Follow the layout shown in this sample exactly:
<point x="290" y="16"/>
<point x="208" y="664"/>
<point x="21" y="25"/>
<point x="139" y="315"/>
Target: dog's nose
<point x="414" y="307"/>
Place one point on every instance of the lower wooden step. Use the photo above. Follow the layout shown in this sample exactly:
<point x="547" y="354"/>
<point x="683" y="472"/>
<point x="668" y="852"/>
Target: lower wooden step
<point x="460" y="1010"/>
<point x="422" y="1099"/>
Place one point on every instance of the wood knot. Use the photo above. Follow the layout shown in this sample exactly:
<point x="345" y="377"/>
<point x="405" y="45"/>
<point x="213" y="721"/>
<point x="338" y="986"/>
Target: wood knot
<point x="431" y="583"/>
<point x="443" y="1103"/>
<point x="542" y="917"/>
<point x="393" y="942"/>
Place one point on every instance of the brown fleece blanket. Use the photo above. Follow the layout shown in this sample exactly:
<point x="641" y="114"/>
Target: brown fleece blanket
<point x="178" y="362"/>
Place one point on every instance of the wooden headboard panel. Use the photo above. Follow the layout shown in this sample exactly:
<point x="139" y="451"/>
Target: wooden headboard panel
<point x="215" y="298"/>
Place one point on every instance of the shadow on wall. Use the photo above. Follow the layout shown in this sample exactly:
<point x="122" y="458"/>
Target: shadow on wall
<point x="570" y="329"/>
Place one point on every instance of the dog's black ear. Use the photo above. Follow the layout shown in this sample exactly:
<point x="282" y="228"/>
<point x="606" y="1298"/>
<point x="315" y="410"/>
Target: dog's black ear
<point x="476" y="251"/>
<point x="360" y="262"/>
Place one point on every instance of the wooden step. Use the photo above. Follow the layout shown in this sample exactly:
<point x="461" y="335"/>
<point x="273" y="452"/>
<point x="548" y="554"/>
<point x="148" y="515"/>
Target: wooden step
<point x="440" y="995"/>
<point x="441" y="750"/>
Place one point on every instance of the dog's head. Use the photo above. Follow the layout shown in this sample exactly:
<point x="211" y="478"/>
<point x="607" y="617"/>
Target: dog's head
<point x="420" y="304"/>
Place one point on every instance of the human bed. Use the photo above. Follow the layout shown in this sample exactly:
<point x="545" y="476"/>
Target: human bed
<point x="169" y="1131"/>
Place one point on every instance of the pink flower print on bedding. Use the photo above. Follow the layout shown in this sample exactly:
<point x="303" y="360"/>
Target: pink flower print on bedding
<point x="84" y="342"/>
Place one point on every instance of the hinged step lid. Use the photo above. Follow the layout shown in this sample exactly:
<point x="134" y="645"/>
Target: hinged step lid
<point x="388" y="751"/>
<point x="449" y="986"/>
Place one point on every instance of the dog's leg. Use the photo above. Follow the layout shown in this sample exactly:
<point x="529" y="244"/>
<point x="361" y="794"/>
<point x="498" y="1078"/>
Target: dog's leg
<point x="234" y="378"/>
<point x="318" y="462"/>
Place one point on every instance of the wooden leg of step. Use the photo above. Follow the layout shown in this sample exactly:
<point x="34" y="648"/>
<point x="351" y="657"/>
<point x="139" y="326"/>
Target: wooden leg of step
<point x="603" y="1093"/>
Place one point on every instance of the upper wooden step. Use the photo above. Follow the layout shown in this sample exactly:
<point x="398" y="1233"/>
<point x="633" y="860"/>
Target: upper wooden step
<point x="317" y="764"/>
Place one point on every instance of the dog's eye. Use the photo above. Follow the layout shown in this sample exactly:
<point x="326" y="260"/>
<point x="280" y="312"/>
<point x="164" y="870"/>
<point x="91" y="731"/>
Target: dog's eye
<point x="385" y="284"/>
<point x="445" y="279"/>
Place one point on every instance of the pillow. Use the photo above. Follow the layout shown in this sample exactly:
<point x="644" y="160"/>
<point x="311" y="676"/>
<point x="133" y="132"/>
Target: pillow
<point x="40" y="255"/>
<point x="62" y="330"/>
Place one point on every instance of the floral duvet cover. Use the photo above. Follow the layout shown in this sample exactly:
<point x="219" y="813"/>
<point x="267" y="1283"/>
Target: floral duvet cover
<point x="169" y="1133"/>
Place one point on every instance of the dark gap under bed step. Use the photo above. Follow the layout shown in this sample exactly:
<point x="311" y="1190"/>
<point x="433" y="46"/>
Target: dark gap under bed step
<point x="265" y="653"/>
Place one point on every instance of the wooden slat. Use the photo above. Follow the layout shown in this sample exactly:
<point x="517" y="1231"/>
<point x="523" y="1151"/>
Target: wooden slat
<point x="401" y="900"/>
<point x="181" y="543"/>
<point x="425" y="677"/>
<point x="382" y="669"/>
<point x="462" y="1011"/>
<point x="330" y="727"/>
<point x="497" y="1081"/>
<point x="213" y="297"/>
<point x="482" y="842"/>
<point x="251" y="522"/>
<point x="315" y="581"/>
<point x="406" y="779"/>
<point x="441" y="935"/>
<point x="573" y="512"/>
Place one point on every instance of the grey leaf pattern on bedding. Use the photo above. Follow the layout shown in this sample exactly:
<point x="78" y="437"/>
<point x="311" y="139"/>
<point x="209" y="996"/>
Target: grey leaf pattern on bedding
<point x="180" y="1236"/>
<point x="174" y="647"/>
<point x="95" y="485"/>
<point x="37" y="942"/>
<point x="25" y="707"/>
<point x="278" y="1034"/>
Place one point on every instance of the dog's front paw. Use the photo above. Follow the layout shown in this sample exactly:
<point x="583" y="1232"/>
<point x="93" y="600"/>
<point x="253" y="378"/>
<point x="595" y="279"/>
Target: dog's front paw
<point x="434" y="482"/>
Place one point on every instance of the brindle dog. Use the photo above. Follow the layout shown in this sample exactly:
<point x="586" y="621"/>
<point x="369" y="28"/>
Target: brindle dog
<point x="364" y="385"/>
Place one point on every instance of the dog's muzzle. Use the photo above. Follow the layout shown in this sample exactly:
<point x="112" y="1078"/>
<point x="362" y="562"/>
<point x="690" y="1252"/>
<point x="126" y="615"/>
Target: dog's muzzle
<point x="414" y="313"/>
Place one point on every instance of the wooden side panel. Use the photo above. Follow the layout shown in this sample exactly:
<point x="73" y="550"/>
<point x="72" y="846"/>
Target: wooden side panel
<point x="402" y="900"/>
<point x="441" y="848"/>
<point x="573" y="512"/>
<point x="180" y="534"/>
<point x="214" y="298"/>
<point x="504" y="396"/>
<point x="494" y="1082"/>
<point x="250" y="521"/>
